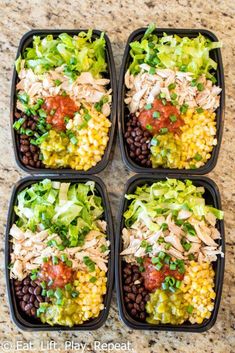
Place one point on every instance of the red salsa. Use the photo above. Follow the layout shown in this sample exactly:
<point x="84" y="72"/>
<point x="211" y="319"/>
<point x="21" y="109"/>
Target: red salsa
<point x="153" y="278"/>
<point x="60" y="274"/>
<point x="160" y="116"/>
<point x="57" y="108"/>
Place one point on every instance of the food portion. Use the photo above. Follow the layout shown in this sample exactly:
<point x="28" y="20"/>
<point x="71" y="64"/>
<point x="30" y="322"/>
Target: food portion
<point x="59" y="252"/>
<point x="170" y="242"/>
<point x="63" y="102"/>
<point x="172" y="97"/>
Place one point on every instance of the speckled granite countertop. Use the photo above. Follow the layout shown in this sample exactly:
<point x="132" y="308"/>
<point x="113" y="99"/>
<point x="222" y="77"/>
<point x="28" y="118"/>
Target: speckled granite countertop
<point x="119" y="19"/>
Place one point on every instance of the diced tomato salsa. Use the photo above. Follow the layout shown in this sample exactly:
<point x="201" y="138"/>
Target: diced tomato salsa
<point x="153" y="278"/>
<point x="60" y="274"/>
<point x="160" y="116"/>
<point x="57" y="108"/>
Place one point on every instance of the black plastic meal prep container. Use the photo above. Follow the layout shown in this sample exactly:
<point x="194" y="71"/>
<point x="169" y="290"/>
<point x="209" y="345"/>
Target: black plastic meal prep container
<point x="212" y="197"/>
<point x="19" y="318"/>
<point x="123" y="110"/>
<point x="26" y="41"/>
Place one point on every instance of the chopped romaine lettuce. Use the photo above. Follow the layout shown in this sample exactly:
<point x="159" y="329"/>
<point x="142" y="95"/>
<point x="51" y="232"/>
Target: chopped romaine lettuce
<point x="69" y="210"/>
<point x="77" y="53"/>
<point x="165" y="197"/>
<point x="172" y="51"/>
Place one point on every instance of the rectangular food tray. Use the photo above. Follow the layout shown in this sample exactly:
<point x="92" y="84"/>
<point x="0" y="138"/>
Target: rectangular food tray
<point x="26" y="41"/>
<point x="25" y="323"/>
<point x="123" y="110"/>
<point x="212" y="197"/>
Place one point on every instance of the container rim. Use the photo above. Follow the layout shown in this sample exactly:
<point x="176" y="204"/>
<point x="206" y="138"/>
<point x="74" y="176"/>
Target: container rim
<point x="212" y="188"/>
<point x="210" y="165"/>
<point x="16" y="316"/>
<point x="111" y="70"/>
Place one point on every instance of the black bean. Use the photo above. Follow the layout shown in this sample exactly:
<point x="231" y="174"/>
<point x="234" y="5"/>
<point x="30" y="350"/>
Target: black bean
<point x="132" y="154"/>
<point x="134" y="312"/>
<point x="33" y="311"/>
<point x="19" y="294"/>
<point x="130" y="141"/>
<point x="33" y="148"/>
<point x="136" y="306"/>
<point x="144" y="293"/>
<point x="24" y="136"/>
<point x="134" y="289"/>
<point x="33" y="126"/>
<point x="142" y="316"/>
<point x="36" y="304"/>
<point x="31" y="290"/>
<point x="127" y="270"/>
<point x="32" y="298"/>
<point x="131" y="296"/>
<point x="130" y="306"/>
<point x="39" y="298"/>
<point x="18" y="288"/>
<point x="141" y="289"/>
<point x="31" y="162"/>
<point x="147" y="297"/>
<point x="127" y="288"/>
<point x="126" y="299"/>
<point x="127" y="134"/>
<point x="24" y="142"/>
<point x="132" y="147"/>
<point x="26" y="281"/>
<point x="28" y="154"/>
<point x="17" y="115"/>
<point x="24" y="148"/>
<point x="144" y="161"/>
<point x="142" y="306"/>
<point x="37" y="290"/>
<point x="28" y="306"/>
<point x="26" y="297"/>
<point x="28" y="312"/>
<point x="25" y="289"/>
<point x="38" y="164"/>
<point x="138" y="298"/>
<point x="47" y="299"/>
<point x="138" y="151"/>
<point x="25" y="160"/>
<point x="133" y="133"/>
<point x="136" y="276"/>
<point x="137" y="144"/>
<point x="138" y="139"/>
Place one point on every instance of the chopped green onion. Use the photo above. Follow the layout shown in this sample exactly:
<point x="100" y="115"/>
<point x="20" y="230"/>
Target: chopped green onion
<point x="200" y="87"/>
<point x="167" y="259"/>
<point x="149" y="127"/>
<point x="173" y="118"/>
<point x="143" y="244"/>
<point x="69" y="263"/>
<point x="57" y="82"/>
<point x="199" y="110"/>
<point x="52" y="112"/>
<point x="50" y="293"/>
<point x="44" y="259"/>
<point x="155" y="260"/>
<point x="149" y="248"/>
<point x="139" y="260"/>
<point x="74" y="140"/>
<point x="172" y="266"/>
<point x="148" y="106"/>
<point x="66" y="119"/>
<point x="159" y="266"/>
<point x="191" y="257"/>
<point x="164" y="101"/>
<point x="152" y="71"/>
<point x="58" y="293"/>
<point x="171" y="86"/>
<point x="154" y="141"/>
<point x="190" y="309"/>
<point x="23" y="98"/>
<point x="173" y="96"/>
<point x="141" y="268"/>
<point x="164" y="226"/>
<point x="162" y="95"/>
<point x="156" y="115"/>
<point x="165" y="286"/>
<point x="194" y="83"/>
<point x="64" y="257"/>
<point x="183" y="68"/>
<point x="93" y="279"/>
<point x="89" y="263"/>
<point x="18" y="123"/>
<point x="50" y="282"/>
<point x="161" y="255"/>
<point x="178" y="284"/>
<point x="167" y="246"/>
<point x="184" y="108"/>
<point x="87" y="117"/>
<point x="163" y="130"/>
<point x="103" y="248"/>
<point x="55" y="260"/>
<point x="160" y="240"/>
<point x="68" y="287"/>
<point x="188" y="228"/>
<point x="33" y="277"/>
<point x="44" y="292"/>
<point x="172" y="289"/>
<point x="43" y="284"/>
<point x="198" y="157"/>
<point x="75" y="294"/>
<point x="59" y="301"/>
<point x="42" y="113"/>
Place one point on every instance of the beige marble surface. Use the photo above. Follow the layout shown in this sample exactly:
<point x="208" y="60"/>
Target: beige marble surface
<point x="119" y="19"/>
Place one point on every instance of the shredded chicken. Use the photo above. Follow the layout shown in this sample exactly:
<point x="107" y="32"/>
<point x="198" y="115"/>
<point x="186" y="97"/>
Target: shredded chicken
<point x="144" y="88"/>
<point x="202" y="244"/>
<point x="84" y="88"/>
<point x="30" y="248"/>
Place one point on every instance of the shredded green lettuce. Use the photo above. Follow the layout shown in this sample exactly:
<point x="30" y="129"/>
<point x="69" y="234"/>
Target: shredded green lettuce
<point x="77" y="53"/>
<point x="163" y="198"/>
<point x="69" y="210"/>
<point x="172" y="51"/>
